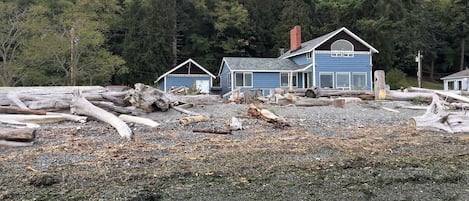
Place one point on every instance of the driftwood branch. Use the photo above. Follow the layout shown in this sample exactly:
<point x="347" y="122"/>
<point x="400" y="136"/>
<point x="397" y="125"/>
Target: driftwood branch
<point x="139" y="120"/>
<point x="82" y="106"/>
<point x="212" y="130"/>
<point x="15" y="110"/>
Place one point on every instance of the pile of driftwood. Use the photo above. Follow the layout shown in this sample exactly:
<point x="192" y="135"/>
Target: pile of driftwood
<point x="22" y="108"/>
<point x="447" y="112"/>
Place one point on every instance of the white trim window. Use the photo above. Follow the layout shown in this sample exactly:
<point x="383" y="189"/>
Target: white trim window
<point x="342" y="48"/>
<point x="343" y="80"/>
<point x="228" y="80"/>
<point x="243" y="79"/>
<point x="359" y="81"/>
<point x="285" y="79"/>
<point x="326" y="80"/>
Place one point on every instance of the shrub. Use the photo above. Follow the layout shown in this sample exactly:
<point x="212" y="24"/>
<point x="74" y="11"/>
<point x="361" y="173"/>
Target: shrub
<point x="396" y="79"/>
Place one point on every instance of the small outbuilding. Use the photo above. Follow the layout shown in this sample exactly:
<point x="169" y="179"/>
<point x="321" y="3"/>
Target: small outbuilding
<point x="457" y="81"/>
<point x="189" y="74"/>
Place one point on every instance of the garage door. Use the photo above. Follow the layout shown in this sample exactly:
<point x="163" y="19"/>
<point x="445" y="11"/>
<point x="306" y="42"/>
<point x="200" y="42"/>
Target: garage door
<point x="203" y="86"/>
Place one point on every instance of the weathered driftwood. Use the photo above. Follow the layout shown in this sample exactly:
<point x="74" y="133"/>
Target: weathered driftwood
<point x="31" y="118"/>
<point x="13" y="97"/>
<point x="82" y="106"/>
<point x="114" y="99"/>
<point x="15" y="110"/>
<point x="17" y="124"/>
<point x="305" y="102"/>
<point x="437" y="118"/>
<point x="235" y="124"/>
<point x="212" y="130"/>
<point x="267" y="115"/>
<point x="49" y="104"/>
<point x="70" y="117"/>
<point x="199" y="99"/>
<point x="407" y="96"/>
<point x="139" y="120"/>
<point x="193" y="119"/>
<point x="149" y="98"/>
<point x="109" y="106"/>
<point x="19" y="135"/>
<point x="179" y="109"/>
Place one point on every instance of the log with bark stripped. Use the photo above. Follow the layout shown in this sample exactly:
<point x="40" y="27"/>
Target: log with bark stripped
<point x="82" y="106"/>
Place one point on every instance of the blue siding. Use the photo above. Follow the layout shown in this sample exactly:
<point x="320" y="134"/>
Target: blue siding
<point x="172" y="81"/>
<point x="358" y="63"/>
<point x="301" y="59"/>
<point x="300" y="80"/>
<point x="161" y="84"/>
<point x="224" y="79"/>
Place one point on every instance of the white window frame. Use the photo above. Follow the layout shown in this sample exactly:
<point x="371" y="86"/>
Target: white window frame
<point x="244" y="79"/>
<point x="288" y="79"/>
<point x="342" y="53"/>
<point x="360" y="73"/>
<point x="337" y="80"/>
<point x="327" y="73"/>
<point x="228" y="80"/>
<point x="309" y="55"/>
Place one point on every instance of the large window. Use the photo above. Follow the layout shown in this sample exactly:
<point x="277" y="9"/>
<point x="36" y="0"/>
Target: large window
<point x="342" y="48"/>
<point x="326" y="80"/>
<point x="359" y="81"/>
<point x="243" y="79"/>
<point x="343" y="80"/>
<point x="285" y="78"/>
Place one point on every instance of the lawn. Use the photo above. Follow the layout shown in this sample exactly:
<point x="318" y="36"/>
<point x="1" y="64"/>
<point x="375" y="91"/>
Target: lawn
<point x="426" y="83"/>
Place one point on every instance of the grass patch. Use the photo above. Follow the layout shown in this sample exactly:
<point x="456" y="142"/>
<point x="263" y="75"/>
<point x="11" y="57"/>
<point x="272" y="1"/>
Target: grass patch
<point x="426" y="83"/>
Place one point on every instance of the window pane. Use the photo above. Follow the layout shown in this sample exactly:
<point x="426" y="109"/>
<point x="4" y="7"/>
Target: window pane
<point x="248" y="79"/>
<point x="342" y="45"/>
<point x="359" y="81"/>
<point x="284" y="79"/>
<point x="239" y="79"/>
<point x="326" y="80"/>
<point x="294" y="79"/>
<point x="228" y="80"/>
<point x="343" y="80"/>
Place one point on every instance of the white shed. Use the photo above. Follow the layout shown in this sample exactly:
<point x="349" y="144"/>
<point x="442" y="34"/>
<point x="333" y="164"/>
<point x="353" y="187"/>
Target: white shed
<point x="457" y="81"/>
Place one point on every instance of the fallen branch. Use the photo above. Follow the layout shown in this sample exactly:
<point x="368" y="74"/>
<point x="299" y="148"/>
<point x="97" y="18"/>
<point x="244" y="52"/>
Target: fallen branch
<point x="179" y="109"/>
<point x="212" y="130"/>
<point x="15" y="110"/>
<point x="82" y="106"/>
<point x="267" y="116"/>
<point x="193" y="119"/>
<point x="139" y="120"/>
<point x="18" y="135"/>
<point x="14" y="98"/>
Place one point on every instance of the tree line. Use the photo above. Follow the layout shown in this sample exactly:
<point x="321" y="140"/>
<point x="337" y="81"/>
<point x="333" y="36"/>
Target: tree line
<point x="102" y="42"/>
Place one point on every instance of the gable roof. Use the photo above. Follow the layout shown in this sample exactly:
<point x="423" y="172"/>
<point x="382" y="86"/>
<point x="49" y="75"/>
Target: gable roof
<point x="309" y="46"/>
<point x="261" y="64"/>
<point x="460" y="74"/>
<point x="181" y="65"/>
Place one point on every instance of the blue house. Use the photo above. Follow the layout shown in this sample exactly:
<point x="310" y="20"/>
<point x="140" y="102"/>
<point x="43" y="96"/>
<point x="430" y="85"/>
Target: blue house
<point x="189" y="74"/>
<point x="337" y="60"/>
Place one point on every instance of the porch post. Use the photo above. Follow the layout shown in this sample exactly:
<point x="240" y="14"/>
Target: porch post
<point x="445" y="85"/>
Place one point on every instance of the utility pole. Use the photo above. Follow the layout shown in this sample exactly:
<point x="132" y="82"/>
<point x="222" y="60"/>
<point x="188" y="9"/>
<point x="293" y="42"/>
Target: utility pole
<point x="73" y="67"/>
<point x="418" y="59"/>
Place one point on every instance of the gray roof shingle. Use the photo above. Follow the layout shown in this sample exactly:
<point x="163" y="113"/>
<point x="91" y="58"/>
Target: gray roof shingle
<point x="261" y="64"/>
<point x="460" y="74"/>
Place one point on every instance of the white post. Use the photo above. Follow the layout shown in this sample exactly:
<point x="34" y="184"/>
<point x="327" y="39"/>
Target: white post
<point x="419" y="72"/>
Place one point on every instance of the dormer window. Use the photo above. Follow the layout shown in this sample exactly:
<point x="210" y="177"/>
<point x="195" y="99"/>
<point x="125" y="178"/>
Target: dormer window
<point x="342" y="48"/>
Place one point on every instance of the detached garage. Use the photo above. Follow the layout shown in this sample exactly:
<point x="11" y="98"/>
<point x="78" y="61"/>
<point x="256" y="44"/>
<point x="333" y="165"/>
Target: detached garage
<point x="189" y="74"/>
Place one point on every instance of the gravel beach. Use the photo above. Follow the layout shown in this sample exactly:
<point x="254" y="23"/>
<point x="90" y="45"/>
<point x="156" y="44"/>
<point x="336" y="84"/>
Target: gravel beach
<point x="360" y="152"/>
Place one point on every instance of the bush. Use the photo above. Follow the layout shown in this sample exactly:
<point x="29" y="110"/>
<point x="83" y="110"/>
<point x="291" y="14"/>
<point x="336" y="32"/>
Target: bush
<point x="396" y="79"/>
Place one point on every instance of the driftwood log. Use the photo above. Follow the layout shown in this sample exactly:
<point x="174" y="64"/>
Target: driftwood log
<point x="260" y="113"/>
<point x="437" y="118"/>
<point x="139" y="120"/>
<point x="149" y="98"/>
<point x="15" y="110"/>
<point x="19" y="135"/>
<point x="82" y="106"/>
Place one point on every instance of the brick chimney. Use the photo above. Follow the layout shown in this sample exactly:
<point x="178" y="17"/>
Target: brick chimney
<point x="295" y="38"/>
